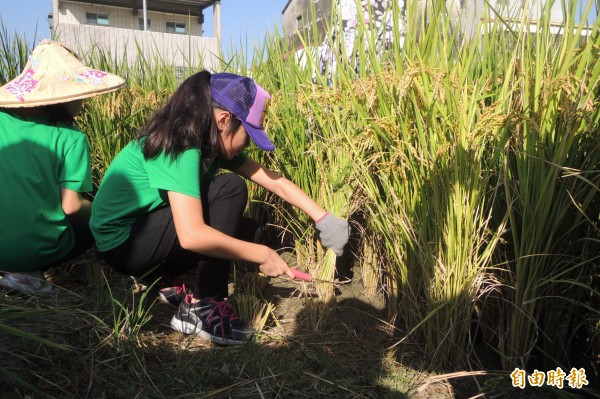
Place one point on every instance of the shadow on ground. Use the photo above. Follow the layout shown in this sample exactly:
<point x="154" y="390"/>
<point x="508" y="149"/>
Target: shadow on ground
<point x="108" y="350"/>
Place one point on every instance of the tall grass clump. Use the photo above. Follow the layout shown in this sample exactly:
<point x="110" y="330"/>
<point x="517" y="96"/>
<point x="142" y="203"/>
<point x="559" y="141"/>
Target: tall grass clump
<point x="316" y="132"/>
<point x="14" y="50"/>
<point x="467" y="105"/>
<point x="550" y="179"/>
<point x="432" y="191"/>
<point x="113" y="120"/>
<point x="474" y="158"/>
<point x="121" y="328"/>
<point x="426" y="175"/>
<point x="249" y="301"/>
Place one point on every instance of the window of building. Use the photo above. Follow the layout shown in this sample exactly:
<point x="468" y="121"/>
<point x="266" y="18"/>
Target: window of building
<point x="182" y="73"/>
<point x="175" y="27"/>
<point x="178" y="73"/>
<point x="141" y="23"/>
<point x="96" y="19"/>
<point x="299" y="22"/>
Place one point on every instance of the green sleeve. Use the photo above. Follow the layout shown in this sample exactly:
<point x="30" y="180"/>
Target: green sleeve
<point x="180" y="174"/>
<point x="75" y="172"/>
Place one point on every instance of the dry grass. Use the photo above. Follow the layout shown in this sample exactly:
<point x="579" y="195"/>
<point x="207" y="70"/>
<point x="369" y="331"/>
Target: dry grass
<point x="346" y="358"/>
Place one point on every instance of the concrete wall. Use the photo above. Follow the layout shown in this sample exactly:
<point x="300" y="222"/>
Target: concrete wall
<point x="176" y="50"/>
<point x="124" y="40"/>
<point x="302" y="8"/>
<point x="75" y="13"/>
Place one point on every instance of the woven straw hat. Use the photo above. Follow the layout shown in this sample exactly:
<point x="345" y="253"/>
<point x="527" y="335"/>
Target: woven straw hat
<point x="53" y="74"/>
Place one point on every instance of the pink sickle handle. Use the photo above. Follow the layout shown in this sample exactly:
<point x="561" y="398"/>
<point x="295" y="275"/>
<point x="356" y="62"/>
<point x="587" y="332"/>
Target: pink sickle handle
<point x="301" y="275"/>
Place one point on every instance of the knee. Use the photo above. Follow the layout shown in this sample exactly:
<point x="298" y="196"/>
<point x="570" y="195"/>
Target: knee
<point x="232" y="185"/>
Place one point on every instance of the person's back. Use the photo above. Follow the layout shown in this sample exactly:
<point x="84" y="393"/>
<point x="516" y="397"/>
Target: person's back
<point x="37" y="158"/>
<point x="45" y="165"/>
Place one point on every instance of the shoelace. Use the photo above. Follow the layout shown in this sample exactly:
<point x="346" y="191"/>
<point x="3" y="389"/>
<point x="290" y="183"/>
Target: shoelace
<point x="225" y="310"/>
<point x="178" y="284"/>
<point x="180" y="288"/>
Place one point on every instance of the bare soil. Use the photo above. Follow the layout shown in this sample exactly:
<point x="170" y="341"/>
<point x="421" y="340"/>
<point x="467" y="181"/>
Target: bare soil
<point x="348" y="351"/>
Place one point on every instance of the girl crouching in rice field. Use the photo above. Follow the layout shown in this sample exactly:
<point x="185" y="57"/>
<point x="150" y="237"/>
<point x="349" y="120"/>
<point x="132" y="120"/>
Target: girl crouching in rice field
<point x="162" y="210"/>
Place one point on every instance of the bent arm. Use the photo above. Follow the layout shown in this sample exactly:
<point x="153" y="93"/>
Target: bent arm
<point x="280" y="186"/>
<point x="197" y="236"/>
<point x="334" y="232"/>
<point x="73" y="204"/>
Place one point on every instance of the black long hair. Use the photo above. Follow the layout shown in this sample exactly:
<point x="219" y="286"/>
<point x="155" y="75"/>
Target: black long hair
<point x="185" y="121"/>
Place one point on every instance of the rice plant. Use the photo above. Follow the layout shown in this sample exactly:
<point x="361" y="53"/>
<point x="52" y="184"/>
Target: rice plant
<point x="248" y="299"/>
<point x="472" y="161"/>
<point x="113" y="120"/>
<point x="14" y="51"/>
<point x="550" y="190"/>
<point x="441" y="113"/>
<point x="122" y="327"/>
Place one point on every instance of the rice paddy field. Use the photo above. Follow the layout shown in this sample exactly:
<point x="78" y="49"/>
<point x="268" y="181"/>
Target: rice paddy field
<point x="469" y="168"/>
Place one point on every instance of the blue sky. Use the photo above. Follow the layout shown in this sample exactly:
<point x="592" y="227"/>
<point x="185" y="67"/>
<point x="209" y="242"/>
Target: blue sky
<point x="243" y="21"/>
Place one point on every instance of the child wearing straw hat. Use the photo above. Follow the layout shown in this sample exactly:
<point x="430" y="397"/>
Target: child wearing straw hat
<point x="161" y="209"/>
<point x="45" y="166"/>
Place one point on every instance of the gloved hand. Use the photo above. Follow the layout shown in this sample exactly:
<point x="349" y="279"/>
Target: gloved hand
<point x="334" y="233"/>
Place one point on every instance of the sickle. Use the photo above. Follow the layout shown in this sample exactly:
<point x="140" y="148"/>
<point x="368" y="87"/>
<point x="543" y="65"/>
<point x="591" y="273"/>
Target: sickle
<point x="307" y="277"/>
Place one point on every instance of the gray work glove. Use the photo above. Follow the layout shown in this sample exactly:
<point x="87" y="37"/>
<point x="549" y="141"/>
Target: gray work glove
<point x="334" y="233"/>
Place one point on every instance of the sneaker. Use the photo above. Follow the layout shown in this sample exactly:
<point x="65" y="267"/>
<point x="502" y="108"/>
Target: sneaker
<point x="172" y="295"/>
<point x="31" y="282"/>
<point x="213" y="320"/>
<point x="170" y="292"/>
<point x="49" y="273"/>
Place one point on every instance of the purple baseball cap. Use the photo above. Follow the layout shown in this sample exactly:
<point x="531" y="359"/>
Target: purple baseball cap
<point x="246" y="100"/>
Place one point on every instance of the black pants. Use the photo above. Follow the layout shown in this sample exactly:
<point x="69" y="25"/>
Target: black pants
<point x="84" y="240"/>
<point x="153" y="250"/>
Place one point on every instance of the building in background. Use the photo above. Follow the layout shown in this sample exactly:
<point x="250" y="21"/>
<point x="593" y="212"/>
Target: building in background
<point x="168" y="30"/>
<point x="516" y="14"/>
<point x="298" y="17"/>
<point x="337" y="22"/>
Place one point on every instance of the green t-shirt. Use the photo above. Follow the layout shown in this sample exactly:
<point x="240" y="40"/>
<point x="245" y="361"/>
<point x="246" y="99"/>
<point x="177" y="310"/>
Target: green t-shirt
<point x="36" y="160"/>
<point x="133" y="187"/>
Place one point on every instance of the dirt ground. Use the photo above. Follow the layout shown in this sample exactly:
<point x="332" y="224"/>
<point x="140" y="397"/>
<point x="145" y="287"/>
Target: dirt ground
<point x="350" y="350"/>
<point x="352" y="336"/>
